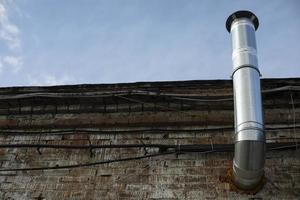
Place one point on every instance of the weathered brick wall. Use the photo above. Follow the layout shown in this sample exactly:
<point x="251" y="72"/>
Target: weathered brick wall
<point x="136" y="119"/>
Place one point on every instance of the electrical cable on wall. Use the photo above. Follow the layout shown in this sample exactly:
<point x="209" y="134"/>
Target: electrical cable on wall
<point x="179" y="150"/>
<point x="134" y="92"/>
<point x="138" y="130"/>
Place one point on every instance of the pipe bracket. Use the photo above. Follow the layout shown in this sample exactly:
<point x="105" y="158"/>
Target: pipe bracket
<point x="245" y="66"/>
<point x="250" y="133"/>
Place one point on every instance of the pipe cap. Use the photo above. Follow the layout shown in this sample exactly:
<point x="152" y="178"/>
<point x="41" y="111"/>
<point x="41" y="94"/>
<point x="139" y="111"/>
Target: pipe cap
<point x="242" y="14"/>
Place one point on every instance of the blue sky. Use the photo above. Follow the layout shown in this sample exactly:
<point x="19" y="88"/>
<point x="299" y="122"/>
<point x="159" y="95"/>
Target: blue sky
<point x="50" y="42"/>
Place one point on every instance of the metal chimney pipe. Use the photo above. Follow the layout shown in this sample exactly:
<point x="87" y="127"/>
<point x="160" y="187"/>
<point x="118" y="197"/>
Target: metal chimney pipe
<point x="249" y="148"/>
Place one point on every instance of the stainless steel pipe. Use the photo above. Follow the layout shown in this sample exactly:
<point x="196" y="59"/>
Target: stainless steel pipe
<point x="249" y="152"/>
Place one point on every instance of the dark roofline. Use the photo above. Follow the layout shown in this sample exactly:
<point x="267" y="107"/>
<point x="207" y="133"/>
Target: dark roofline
<point x="159" y="84"/>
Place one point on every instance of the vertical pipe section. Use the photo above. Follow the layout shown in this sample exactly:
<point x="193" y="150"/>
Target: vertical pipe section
<point x="249" y="152"/>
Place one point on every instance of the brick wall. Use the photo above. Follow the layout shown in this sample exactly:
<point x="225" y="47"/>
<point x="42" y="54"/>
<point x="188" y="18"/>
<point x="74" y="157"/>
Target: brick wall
<point x="133" y="118"/>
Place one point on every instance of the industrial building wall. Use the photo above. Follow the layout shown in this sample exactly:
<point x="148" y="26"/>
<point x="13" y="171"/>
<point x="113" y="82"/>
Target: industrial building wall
<point x="165" y="113"/>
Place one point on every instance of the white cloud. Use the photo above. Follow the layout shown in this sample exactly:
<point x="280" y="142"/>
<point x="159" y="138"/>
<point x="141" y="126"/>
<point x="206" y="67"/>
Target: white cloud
<point x="9" y="32"/>
<point x="14" y="62"/>
<point x="47" y="79"/>
<point x="9" y="36"/>
<point x="52" y="80"/>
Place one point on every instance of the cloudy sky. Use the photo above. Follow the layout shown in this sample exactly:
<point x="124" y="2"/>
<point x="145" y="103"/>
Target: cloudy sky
<point x="50" y="42"/>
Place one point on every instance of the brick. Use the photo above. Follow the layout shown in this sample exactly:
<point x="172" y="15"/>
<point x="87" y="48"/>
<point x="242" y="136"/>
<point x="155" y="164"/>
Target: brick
<point x="187" y="176"/>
